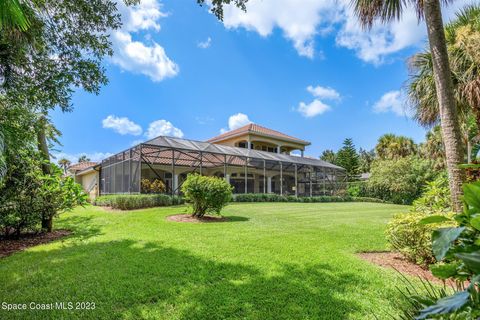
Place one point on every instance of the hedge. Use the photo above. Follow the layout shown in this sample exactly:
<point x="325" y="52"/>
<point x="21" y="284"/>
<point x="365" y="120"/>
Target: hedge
<point x="268" y="197"/>
<point x="137" y="201"/>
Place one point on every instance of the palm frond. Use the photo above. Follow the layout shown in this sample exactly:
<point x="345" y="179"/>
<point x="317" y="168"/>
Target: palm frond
<point x="12" y="16"/>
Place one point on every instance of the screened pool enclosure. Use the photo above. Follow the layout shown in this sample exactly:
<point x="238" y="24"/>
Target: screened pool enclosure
<point x="248" y="171"/>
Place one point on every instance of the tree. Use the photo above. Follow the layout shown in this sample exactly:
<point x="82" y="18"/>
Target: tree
<point x="12" y="16"/>
<point x="368" y="12"/>
<point x="390" y="146"/>
<point x="365" y="160"/>
<point x="433" y="148"/>
<point x="64" y="164"/>
<point x="347" y="158"/>
<point x="329" y="156"/>
<point x="83" y="158"/>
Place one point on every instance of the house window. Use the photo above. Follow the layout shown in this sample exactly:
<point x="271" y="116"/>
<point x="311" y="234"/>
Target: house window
<point x="242" y="145"/>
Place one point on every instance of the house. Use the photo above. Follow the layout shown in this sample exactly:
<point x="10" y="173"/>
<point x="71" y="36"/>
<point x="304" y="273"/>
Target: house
<point x="86" y="174"/>
<point x="253" y="159"/>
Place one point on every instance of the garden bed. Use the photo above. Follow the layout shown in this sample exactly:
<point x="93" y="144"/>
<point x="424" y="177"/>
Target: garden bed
<point x="10" y="246"/>
<point x="190" y="219"/>
<point x="394" y="260"/>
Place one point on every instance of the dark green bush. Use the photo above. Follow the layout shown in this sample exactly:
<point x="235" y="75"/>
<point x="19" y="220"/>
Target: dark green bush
<point x="399" y="180"/>
<point x="271" y="197"/>
<point x="137" y="201"/>
<point x="206" y="194"/>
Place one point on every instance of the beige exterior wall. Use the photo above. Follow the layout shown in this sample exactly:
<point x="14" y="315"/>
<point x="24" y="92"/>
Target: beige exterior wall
<point x="258" y="141"/>
<point x="88" y="179"/>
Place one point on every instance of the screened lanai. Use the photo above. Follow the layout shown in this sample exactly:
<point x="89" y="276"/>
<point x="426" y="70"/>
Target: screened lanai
<point x="248" y="171"/>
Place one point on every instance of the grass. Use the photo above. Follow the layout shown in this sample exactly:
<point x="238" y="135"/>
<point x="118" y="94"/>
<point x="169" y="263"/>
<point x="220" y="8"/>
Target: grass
<point x="271" y="261"/>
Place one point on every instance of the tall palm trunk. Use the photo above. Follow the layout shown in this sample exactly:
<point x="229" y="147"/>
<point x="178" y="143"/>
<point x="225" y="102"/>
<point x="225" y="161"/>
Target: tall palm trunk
<point x="448" y="112"/>
<point x="47" y="217"/>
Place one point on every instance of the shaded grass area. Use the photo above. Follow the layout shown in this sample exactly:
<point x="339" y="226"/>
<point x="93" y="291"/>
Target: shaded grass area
<point x="272" y="261"/>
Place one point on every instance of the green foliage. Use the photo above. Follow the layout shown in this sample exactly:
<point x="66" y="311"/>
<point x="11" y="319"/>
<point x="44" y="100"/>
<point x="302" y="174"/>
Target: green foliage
<point x="435" y="197"/>
<point x="27" y="195"/>
<point x="347" y="158"/>
<point x="365" y="159"/>
<point x="407" y="234"/>
<point x="137" y="201"/>
<point x="206" y="194"/>
<point x="329" y="156"/>
<point x="155" y="186"/>
<point x="399" y="180"/>
<point x="411" y="233"/>
<point x="271" y="197"/>
<point x="390" y="146"/>
<point x="458" y="251"/>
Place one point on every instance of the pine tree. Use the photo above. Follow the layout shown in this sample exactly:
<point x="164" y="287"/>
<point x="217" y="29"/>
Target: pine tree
<point x="347" y="158"/>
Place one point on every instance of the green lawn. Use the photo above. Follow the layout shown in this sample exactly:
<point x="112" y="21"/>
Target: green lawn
<point x="271" y="261"/>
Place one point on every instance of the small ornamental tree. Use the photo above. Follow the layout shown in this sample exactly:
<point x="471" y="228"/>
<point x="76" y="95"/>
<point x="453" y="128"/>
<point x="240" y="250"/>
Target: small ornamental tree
<point x="206" y="194"/>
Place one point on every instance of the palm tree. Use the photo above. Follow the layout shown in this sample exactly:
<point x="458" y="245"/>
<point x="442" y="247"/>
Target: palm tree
<point x="64" y="164"/>
<point x="390" y="146"/>
<point x="368" y="12"/>
<point x="463" y="48"/>
<point x="83" y="158"/>
<point x="12" y="16"/>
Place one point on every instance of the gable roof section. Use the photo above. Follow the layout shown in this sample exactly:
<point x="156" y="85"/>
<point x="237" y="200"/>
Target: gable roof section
<point x="259" y="130"/>
<point x="82" y="166"/>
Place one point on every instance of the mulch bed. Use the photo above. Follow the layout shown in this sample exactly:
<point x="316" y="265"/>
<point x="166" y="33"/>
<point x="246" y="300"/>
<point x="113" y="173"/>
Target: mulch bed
<point x="395" y="260"/>
<point x="190" y="219"/>
<point x="7" y="247"/>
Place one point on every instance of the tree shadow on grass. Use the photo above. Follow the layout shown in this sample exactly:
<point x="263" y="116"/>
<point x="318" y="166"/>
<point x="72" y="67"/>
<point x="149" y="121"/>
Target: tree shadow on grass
<point x="143" y="280"/>
<point x="83" y="227"/>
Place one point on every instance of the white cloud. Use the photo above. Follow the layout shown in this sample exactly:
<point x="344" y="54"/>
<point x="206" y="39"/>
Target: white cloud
<point x="162" y="128"/>
<point x="317" y="106"/>
<point x="236" y="121"/>
<point x="312" y="109"/>
<point x="302" y="23"/>
<point x="136" y="56"/>
<point x="391" y="101"/>
<point x="122" y="125"/>
<point x="324" y="92"/>
<point x="73" y="157"/>
<point x="205" y="44"/>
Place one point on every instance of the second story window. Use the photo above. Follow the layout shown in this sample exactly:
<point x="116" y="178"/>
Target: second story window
<point x="242" y="145"/>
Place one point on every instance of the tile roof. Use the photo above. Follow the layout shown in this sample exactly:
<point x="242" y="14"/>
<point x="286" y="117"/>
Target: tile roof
<point x="255" y="128"/>
<point x="81" y="166"/>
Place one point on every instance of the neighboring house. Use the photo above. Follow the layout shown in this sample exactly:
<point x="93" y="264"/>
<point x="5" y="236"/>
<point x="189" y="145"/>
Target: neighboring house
<point x="87" y="175"/>
<point x="253" y="159"/>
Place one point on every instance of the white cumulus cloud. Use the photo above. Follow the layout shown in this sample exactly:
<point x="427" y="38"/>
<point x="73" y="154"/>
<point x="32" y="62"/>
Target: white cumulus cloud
<point x="163" y="128"/>
<point x="391" y="101"/>
<point x="318" y="106"/>
<point x="236" y="121"/>
<point x="324" y="92"/>
<point x="122" y="125"/>
<point x="303" y="21"/>
<point x="144" y="57"/>
<point x="312" y="109"/>
<point x="205" y="44"/>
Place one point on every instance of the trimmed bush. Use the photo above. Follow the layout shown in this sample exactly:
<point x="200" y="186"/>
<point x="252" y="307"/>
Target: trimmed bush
<point x="413" y="239"/>
<point x="206" y="194"/>
<point x="137" y="201"/>
<point x="271" y="197"/>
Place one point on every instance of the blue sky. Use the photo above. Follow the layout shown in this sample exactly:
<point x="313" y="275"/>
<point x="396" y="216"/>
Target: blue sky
<point x="307" y="70"/>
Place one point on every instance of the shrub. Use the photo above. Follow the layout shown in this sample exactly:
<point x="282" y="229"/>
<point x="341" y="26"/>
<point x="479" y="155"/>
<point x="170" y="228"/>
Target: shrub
<point x="458" y="251"/>
<point x="271" y="197"/>
<point x="408" y="235"/>
<point x="155" y="186"/>
<point x="399" y="180"/>
<point x="137" y="201"/>
<point x="206" y="194"/>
